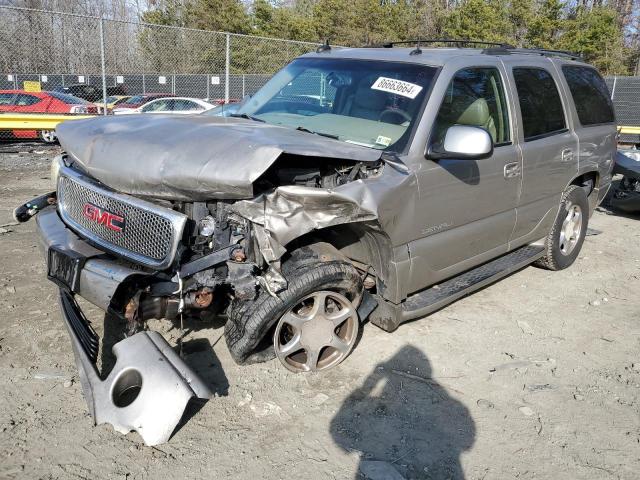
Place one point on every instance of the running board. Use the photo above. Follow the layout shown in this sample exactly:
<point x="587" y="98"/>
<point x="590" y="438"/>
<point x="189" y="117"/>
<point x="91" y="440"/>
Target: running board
<point x="433" y="298"/>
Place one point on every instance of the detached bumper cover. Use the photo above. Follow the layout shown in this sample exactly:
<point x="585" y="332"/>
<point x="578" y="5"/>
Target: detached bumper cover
<point x="149" y="386"/>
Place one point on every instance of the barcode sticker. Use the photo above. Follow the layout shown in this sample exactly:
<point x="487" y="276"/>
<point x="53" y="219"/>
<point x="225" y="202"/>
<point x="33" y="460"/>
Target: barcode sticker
<point x="399" y="87"/>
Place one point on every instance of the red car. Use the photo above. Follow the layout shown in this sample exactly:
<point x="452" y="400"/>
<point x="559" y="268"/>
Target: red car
<point x="139" y="100"/>
<point x="20" y="101"/>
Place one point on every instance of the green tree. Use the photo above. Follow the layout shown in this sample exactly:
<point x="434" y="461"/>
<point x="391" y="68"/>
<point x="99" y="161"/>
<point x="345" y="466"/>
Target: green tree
<point x="486" y="20"/>
<point x="221" y="15"/>
<point x="546" y="25"/>
<point x="597" y="35"/>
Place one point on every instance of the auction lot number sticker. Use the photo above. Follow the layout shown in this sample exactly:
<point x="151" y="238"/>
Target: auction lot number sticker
<point x="399" y="87"/>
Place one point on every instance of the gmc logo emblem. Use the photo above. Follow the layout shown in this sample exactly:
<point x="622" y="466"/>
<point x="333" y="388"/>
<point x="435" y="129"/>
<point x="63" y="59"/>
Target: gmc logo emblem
<point x="103" y="217"/>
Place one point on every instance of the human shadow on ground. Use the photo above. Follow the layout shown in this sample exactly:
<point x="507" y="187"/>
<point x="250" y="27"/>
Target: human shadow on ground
<point x="402" y="419"/>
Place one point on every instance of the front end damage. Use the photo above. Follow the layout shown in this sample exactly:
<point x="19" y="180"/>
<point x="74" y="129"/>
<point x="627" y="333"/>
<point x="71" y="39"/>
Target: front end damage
<point x="140" y="259"/>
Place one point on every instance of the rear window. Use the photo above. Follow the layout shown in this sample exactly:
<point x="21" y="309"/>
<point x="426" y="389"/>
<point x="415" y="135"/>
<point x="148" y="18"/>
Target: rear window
<point x="135" y="99"/>
<point x="68" y="99"/>
<point x="540" y="104"/>
<point x="590" y="95"/>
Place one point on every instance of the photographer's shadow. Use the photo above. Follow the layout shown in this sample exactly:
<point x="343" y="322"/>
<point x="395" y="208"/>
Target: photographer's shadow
<point x="402" y="419"/>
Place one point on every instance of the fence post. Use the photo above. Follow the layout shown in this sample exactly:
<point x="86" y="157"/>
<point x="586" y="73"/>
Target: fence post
<point x="227" y="63"/>
<point x="613" y="89"/>
<point x="104" y="72"/>
<point x="243" y="85"/>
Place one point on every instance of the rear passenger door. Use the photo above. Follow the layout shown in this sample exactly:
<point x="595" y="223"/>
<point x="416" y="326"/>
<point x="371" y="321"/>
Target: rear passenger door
<point x="595" y="122"/>
<point x="549" y="148"/>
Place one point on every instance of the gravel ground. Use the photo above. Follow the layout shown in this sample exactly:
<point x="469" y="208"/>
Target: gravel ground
<point x="536" y="376"/>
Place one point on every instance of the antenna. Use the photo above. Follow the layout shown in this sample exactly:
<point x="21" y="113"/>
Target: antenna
<point x="325" y="47"/>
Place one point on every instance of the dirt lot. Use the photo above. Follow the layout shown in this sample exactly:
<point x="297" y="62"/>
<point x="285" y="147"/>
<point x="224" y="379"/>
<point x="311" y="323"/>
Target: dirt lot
<point x="537" y="376"/>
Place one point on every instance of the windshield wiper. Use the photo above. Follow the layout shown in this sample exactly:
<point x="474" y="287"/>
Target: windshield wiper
<point x="248" y="117"/>
<point x="322" y="134"/>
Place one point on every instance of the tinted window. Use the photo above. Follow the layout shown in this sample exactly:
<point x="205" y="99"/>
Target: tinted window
<point x="590" y="94"/>
<point x="157" y="106"/>
<point x="24" y="100"/>
<point x="475" y="97"/>
<point x="135" y="99"/>
<point x="186" y="105"/>
<point x="540" y="103"/>
<point x="68" y="99"/>
<point x="6" y="98"/>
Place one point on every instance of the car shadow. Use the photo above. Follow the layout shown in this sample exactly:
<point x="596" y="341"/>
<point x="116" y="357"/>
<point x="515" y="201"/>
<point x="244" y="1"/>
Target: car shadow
<point x="402" y="419"/>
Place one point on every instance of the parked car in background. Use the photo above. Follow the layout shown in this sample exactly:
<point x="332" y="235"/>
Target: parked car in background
<point x="224" y="110"/>
<point x="175" y="105"/>
<point x="92" y="93"/>
<point x="112" y="101"/>
<point x="20" y="101"/>
<point x="138" y="101"/>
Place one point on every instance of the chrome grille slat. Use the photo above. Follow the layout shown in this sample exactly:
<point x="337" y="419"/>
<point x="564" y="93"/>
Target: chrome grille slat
<point x="150" y="235"/>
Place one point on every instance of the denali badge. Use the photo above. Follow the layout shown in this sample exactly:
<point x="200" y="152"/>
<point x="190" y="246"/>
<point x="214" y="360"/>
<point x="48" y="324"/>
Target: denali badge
<point x="103" y="217"/>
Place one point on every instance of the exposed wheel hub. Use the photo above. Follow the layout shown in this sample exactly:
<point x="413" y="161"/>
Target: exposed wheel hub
<point x="317" y="333"/>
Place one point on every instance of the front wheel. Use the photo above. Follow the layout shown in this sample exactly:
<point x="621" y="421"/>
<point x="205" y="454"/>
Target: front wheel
<point x="312" y="325"/>
<point x="567" y="234"/>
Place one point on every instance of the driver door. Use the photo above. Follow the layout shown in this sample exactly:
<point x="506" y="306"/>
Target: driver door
<point x="467" y="208"/>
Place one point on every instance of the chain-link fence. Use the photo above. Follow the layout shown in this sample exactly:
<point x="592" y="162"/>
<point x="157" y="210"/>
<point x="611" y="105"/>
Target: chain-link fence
<point x="93" y="57"/>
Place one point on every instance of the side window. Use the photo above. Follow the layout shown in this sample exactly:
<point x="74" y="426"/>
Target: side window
<point x="26" y="100"/>
<point x="186" y="105"/>
<point x="590" y="95"/>
<point x="540" y="104"/>
<point x="475" y="97"/>
<point x="155" y="106"/>
<point x="6" y="98"/>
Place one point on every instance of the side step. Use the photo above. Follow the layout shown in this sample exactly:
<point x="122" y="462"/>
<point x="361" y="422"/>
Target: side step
<point x="433" y="298"/>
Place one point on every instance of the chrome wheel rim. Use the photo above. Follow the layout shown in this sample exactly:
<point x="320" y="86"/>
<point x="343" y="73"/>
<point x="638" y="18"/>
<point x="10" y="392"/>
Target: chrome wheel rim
<point x="317" y="333"/>
<point x="570" y="230"/>
<point x="48" y="136"/>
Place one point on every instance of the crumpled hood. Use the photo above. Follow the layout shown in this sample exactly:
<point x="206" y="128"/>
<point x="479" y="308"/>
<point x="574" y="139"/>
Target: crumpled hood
<point x="189" y="157"/>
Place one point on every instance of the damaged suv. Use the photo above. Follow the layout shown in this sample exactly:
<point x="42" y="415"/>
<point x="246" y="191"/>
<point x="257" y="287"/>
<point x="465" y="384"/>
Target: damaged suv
<point x="374" y="183"/>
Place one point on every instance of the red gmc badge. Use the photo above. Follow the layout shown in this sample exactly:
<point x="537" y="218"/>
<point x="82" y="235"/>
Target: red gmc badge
<point x="103" y="217"/>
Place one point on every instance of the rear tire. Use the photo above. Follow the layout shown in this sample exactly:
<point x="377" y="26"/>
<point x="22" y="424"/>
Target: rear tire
<point x="567" y="234"/>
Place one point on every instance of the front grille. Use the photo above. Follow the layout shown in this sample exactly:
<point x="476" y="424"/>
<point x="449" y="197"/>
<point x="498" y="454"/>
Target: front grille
<point x="149" y="234"/>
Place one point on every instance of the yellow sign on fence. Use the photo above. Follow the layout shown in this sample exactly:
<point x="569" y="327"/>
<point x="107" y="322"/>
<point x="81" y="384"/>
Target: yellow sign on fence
<point x="32" y="86"/>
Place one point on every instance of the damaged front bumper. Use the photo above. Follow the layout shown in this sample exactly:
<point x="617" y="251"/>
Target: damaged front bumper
<point x="149" y="386"/>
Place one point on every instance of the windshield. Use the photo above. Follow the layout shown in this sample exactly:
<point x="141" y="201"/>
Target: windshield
<point x="68" y="99"/>
<point x="135" y="99"/>
<point x="371" y="103"/>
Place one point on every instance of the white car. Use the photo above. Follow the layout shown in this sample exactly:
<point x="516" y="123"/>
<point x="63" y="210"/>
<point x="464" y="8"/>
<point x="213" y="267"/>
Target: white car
<point x="176" y="105"/>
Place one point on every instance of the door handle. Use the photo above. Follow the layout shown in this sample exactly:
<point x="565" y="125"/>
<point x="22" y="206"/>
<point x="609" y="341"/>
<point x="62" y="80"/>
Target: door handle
<point x="512" y="170"/>
<point x="567" y="155"/>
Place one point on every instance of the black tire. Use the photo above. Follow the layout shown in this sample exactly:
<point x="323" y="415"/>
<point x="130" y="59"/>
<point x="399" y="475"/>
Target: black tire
<point x="250" y="324"/>
<point x="554" y="258"/>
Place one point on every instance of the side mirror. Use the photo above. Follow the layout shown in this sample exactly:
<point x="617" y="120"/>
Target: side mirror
<point x="463" y="142"/>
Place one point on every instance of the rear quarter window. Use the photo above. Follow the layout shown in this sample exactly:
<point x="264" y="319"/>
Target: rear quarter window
<point x="540" y="103"/>
<point x="590" y="95"/>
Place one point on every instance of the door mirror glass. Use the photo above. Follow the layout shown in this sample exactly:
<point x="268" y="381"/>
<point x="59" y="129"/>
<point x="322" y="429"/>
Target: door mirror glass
<point x="463" y="142"/>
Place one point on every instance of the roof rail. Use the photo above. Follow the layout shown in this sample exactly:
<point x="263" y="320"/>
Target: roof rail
<point x="460" y="43"/>
<point x="545" y="52"/>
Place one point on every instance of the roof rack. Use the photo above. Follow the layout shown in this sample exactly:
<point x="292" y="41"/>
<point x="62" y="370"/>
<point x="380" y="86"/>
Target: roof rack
<point x="491" y="48"/>
<point x="461" y="43"/>
<point x="545" y="52"/>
